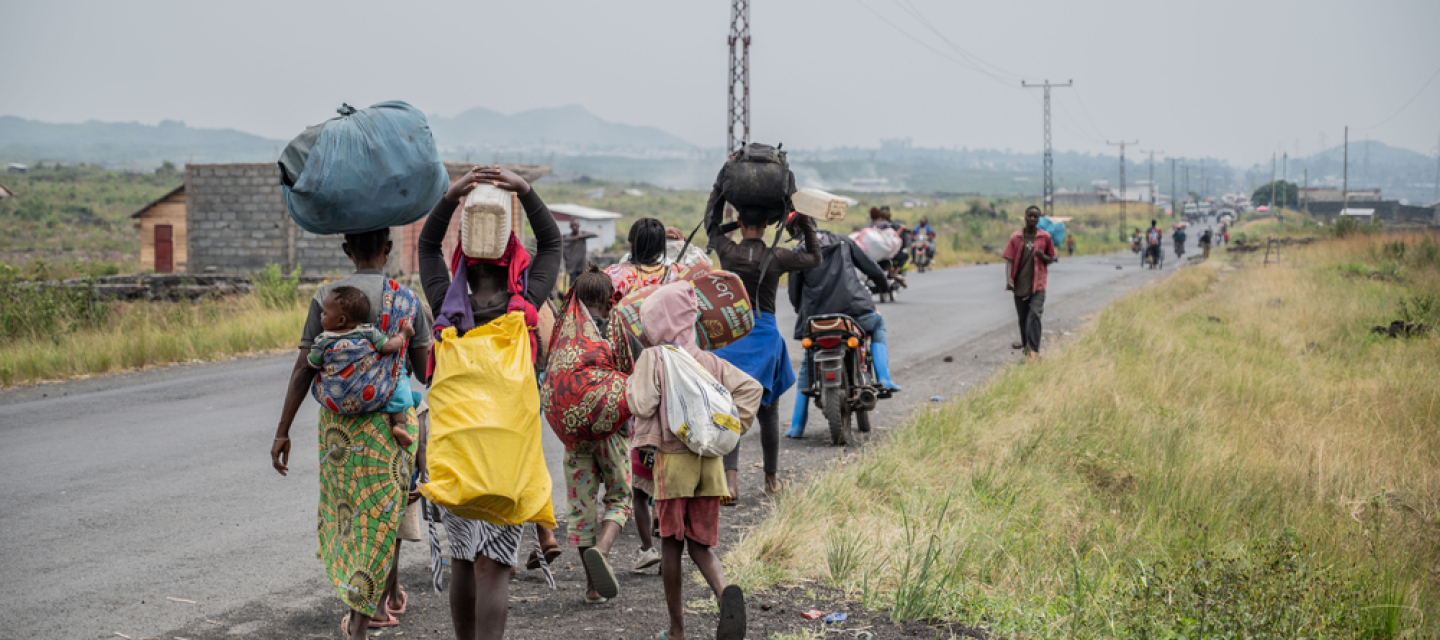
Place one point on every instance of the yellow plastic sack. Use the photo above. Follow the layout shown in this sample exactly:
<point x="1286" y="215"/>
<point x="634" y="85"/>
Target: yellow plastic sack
<point x="484" y="454"/>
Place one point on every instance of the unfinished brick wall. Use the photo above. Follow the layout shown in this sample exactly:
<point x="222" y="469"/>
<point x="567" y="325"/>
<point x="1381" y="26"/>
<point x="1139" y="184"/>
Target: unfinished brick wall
<point x="237" y="223"/>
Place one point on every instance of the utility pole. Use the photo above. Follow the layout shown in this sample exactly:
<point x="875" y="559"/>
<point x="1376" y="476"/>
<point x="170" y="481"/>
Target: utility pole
<point x="1273" y="209"/>
<point x="1305" y="193"/>
<point x="1345" y="180"/>
<point x="1204" y="184"/>
<point x="1122" y="144"/>
<point x="1437" y="176"/>
<point x="1152" y="175"/>
<point x="1174" y="204"/>
<point x="1049" y="198"/>
<point x="739" y="125"/>
<point x="1187" y="182"/>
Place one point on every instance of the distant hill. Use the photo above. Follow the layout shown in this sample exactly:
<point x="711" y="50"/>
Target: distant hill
<point x="569" y="128"/>
<point x="129" y="144"/>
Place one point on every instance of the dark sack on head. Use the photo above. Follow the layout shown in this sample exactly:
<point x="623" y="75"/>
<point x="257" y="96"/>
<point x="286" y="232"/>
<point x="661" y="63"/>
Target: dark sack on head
<point x="758" y="178"/>
<point x="365" y="170"/>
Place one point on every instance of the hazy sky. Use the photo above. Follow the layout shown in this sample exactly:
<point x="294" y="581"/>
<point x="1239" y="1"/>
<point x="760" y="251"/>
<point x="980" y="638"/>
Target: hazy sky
<point x="1229" y="79"/>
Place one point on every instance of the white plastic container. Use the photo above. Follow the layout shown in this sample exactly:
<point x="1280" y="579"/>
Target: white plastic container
<point x="485" y="222"/>
<point x="819" y="204"/>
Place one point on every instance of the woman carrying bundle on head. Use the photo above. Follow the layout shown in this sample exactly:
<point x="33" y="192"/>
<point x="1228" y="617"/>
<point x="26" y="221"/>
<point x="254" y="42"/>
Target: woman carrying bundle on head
<point x="761" y="354"/>
<point x="484" y="401"/>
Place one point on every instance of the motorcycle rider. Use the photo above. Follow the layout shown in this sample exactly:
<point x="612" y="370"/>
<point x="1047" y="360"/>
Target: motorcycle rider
<point x="881" y="219"/>
<point x="925" y="231"/>
<point x="1152" y="243"/>
<point x="833" y="288"/>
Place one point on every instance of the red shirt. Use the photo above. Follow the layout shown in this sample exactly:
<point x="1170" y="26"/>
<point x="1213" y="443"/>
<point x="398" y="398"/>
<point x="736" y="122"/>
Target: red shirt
<point x="1043" y="245"/>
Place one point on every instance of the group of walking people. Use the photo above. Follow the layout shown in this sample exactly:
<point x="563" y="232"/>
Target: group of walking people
<point x="380" y="470"/>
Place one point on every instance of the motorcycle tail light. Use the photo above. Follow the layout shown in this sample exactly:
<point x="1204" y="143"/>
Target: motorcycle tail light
<point x="805" y="343"/>
<point x="828" y="341"/>
<point x="852" y="342"/>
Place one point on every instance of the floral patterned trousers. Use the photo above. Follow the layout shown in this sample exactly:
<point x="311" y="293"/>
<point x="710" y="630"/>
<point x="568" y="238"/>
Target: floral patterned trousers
<point x="587" y="466"/>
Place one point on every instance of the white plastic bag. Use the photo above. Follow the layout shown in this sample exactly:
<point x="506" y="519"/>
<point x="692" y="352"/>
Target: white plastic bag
<point x="699" y="409"/>
<point x="879" y="244"/>
<point x="485" y="222"/>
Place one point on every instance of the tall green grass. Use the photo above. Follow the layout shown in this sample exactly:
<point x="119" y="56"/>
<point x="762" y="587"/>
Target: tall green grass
<point x="1220" y="455"/>
<point x="144" y="334"/>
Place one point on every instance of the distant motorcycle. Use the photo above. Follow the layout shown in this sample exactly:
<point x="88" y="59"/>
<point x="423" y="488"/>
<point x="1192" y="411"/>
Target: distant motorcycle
<point x="894" y="280"/>
<point x="922" y="252"/>
<point x="842" y="376"/>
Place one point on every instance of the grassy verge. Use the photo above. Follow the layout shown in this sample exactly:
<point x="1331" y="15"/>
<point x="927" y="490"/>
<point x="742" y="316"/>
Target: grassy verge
<point x="1228" y="453"/>
<point x="142" y="334"/>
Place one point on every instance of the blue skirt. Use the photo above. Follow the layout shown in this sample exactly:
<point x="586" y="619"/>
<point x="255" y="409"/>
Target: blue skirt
<point x="763" y="355"/>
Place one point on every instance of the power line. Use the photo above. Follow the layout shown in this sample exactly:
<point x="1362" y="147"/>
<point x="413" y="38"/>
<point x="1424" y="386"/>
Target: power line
<point x="927" y="45"/>
<point x="1407" y="102"/>
<point x="909" y="7"/>
<point x="1087" y="114"/>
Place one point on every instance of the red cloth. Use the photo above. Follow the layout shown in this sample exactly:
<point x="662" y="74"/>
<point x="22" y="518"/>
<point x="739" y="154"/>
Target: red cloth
<point x="517" y="261"/>
<point x="695" y="518"/>
<point x="583" y="395"/>
<point x="1043" y="244"/>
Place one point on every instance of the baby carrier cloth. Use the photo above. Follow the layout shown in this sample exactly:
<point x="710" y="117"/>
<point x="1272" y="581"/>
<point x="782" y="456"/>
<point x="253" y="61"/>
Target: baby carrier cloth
<point x="356" y="379"/>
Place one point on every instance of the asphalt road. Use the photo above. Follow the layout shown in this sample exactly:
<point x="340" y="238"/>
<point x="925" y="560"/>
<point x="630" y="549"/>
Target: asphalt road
<point x="144" y="502"/>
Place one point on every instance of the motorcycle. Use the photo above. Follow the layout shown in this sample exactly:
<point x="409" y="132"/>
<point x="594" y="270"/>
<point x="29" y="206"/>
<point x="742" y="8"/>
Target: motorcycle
<point x="922" y="252"/>
<point x="842" y="376"/>
<point x="894" y="279"/>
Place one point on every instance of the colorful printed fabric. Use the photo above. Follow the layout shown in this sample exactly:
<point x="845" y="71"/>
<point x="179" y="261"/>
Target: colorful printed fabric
<point x="586" y="467"/>
<point x="627" y="277"/>
<point x="364" y="482"/>
<point x="356" y="379"/>
<point x="583" y="395"/>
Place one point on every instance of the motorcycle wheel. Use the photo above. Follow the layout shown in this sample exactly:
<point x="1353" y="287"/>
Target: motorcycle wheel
<point x="838" y="415"/>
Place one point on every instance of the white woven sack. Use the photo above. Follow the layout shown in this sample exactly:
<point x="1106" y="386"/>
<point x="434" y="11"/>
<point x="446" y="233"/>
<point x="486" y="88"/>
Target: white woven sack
<point x="879" y="244"/>
<point x="700" y="410"/>
<point x="485" y="222"/>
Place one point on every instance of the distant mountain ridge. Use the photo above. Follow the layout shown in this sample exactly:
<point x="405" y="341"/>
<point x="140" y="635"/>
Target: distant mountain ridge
<point x="570" y="126"/>
<point x="568" y="129"/>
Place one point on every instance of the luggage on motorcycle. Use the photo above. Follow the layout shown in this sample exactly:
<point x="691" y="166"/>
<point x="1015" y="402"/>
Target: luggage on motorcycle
<point x="819" y="204"/>
<point x="700" y="410"/>
<point x="879" y="244"/>
<point x="366" y="170"/>
<point x="758" y="178"/>
<point x="826" y="324"/>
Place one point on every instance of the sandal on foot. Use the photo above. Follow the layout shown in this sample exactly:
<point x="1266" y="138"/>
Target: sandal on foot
<point x="732" y="614"/>
<point x="659" y="636"/>
<point x="404" y="604"/>
<point x="597" y="600"/>
<point x="601" y="574"/>
<point x="551" y="553"/>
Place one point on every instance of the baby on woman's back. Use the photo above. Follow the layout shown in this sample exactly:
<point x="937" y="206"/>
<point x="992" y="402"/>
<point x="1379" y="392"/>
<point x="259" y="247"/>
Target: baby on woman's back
<point x="340" y="317"/>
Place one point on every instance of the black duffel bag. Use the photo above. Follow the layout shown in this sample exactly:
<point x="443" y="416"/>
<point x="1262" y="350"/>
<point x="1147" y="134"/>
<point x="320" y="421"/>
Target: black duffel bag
<point x="758" y="177"/>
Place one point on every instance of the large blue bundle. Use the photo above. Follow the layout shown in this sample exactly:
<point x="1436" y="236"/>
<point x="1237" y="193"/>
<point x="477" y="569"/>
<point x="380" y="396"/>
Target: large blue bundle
<point x="366" y="170"/>
<point x="1055" y="229"/>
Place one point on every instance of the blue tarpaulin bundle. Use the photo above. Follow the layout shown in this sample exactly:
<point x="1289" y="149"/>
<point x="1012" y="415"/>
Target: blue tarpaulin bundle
<point x="1055" y="229"/>
<point x="366" y="170"/>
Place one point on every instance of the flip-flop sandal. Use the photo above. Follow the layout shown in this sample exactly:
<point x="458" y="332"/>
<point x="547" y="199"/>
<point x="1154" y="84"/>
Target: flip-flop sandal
<point x="551" y="554"/>
<point x="383" y="624"/>
<point x="599" y="600"/>
<point x="732" y="614"/>
<point x="659" y="636"/>
<point x="404" y="604"/>
<point x="601" y="573"/>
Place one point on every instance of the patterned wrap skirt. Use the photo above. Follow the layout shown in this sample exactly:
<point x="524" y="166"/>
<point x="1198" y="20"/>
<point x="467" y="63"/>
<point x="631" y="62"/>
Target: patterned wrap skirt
<point x="364" y="482"/>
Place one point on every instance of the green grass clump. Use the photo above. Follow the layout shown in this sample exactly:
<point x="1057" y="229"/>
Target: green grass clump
<point x="1205" y="462"/>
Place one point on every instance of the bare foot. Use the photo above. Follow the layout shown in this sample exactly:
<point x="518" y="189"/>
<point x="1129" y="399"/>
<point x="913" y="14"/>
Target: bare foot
<point x="397" y="429"/>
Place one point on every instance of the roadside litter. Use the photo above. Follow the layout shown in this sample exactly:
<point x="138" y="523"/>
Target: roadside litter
<point x="835" y="618"/>
<point x="811" y="614"/>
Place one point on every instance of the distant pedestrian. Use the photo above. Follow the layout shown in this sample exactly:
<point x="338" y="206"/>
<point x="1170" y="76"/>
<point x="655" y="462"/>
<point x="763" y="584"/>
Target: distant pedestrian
<point x="1070" y="245"/>
<point x="1028" y="256"/>
<point x="577" y="255"/>
<point x="1205" y="239"/>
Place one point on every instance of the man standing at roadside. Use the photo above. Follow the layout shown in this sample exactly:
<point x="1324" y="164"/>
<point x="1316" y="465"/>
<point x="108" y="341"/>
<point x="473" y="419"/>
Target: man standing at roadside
<point x="1028" y="257"/>
<point x="577" y="258"/>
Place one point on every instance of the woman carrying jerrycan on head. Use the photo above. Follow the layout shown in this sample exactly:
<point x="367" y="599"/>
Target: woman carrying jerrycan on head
<point x="486" y="467"/>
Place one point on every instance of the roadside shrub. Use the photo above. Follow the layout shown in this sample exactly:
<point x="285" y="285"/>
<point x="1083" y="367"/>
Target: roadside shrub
<point x="276" y="290"/>
<point x="1275" y="588"/>
<point x="37" y="307"/>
